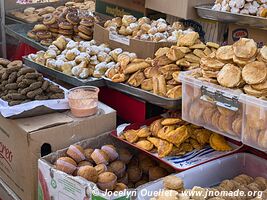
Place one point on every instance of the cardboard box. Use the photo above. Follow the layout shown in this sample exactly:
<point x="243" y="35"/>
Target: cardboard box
<point x="118" y="8"/>
<point x="57" y="185"/>
<point x="143" y="49"/>
<point x="24" y="141"/>
<point x="238" y="31"/>
<point x="179" y="8"/>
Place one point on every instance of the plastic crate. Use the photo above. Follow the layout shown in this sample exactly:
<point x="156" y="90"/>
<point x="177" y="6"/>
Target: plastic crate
<point x="254" y="132"/>
<point x="211" y="106"/>
<point x="210" y="174"/>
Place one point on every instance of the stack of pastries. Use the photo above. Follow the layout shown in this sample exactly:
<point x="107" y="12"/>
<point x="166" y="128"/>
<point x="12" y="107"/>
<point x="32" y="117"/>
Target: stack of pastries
<point x="70" y="21"/>
<point x="80" y="59"/>
<point x="174" y="137"/>
<point x="246" y="7"/>
<point x="160" y="75"/>
<point x="32" y="15"/>
<point x="144" y="28"/>
<point x="111" y="168"/>
<point x="244" y="187"/>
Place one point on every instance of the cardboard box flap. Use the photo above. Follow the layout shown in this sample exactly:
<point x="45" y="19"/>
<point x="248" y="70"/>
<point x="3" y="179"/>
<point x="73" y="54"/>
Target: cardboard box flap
<point x="32" y="124"/>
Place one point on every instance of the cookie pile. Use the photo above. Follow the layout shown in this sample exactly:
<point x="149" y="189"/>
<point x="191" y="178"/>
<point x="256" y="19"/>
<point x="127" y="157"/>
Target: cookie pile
<point x="80" y="59"/>
<point x="174" y="137"/>
<point x="145" y="28"/>
<point x="240" y="66"/>
<point x="247" y="7"/>
<point x="32" y="15"/>
<point x="69" y="21"/>
<point x="160" y="75"/>
<point x="243" y="183"/>
<point x="20" y="84"/>
<point x="110" y="168"/>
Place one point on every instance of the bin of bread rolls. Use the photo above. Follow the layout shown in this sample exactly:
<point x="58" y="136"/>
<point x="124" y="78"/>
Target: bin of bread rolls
<point x="98" y="168"/>
<point x="83" y="100"/>
<point x="211" y="106"/>
<point x="243" y="171"/>
<point x="255" y="122"/>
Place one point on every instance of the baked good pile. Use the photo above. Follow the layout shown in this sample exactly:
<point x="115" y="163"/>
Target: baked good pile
<point x="80" y="59"/>
<point x="160" y="75"/>
<point x="239" y="66"/>
<point x="110" y="168"/>
<point x="20" y="84"/>
<point x="144" y="28"/>
<point x="174" y="137"/>
<point x="70" y="21"/>
<point x="32" y="15"/>
<point x="247" y="7"/>
<point x="173" y="187"/>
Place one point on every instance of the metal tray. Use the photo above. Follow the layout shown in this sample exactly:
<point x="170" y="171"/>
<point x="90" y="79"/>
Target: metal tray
<point x="19" y="31"/>
<point x="206" y="12"/>
<point x="98" y="82"/>
<point x="171" y="104"/>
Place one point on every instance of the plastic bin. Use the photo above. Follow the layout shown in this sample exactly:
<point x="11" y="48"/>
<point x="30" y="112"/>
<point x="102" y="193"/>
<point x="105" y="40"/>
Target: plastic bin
<point x="211" y="106"/>
<point x="214" y="172"/>
<point x="254" y="122"/>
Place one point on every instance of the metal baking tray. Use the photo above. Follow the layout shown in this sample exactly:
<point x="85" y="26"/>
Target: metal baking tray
<point x="11" y="20"/>
<point x="98" y="82"/>
<point x="171" y="104"/>
<point x="19" y="31"/>
<point x="206" y="12"/>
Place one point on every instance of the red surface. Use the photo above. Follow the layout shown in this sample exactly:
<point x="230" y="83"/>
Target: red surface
<point x="17" y="52"/>
<point x="127" y="107"/>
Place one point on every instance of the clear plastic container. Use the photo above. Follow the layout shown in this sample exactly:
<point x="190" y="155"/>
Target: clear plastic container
<point x="211" y="106"/>
<point x="83" y="101"/>
<point x="214" y="172"/>
<point x="254" y="122"/>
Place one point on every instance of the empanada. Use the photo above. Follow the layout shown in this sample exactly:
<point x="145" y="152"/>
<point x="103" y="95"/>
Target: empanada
<point x="136" y="79"/>
<point x="147" y="84"/>
<point x="134" y="67"/>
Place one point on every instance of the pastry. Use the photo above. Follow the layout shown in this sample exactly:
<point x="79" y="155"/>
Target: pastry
<point x="229" y="76"/>
<point x="173" y="183"/>
<point x="143" y="132"/>
<point x="84" y="163"/>
<point x="66" y="165"/>
<point x="101" y="168"/>
<point x="136" y="79"/>
<point x="76" y="152"/>
<point x="145" y="144"/>
<point x="125" y="155"/>
<point x="134" y="173"/>
<point x="218" y="143"/>
<point x="107" y="181"/>
<point x="156" y="173"/>
<point x="87" y="154"/>
<point x="254" y="73"/>
<point x="49" y="19"/>
<point x="146" y="164"/>
<point x="131" y="136"/>
<point x="110" y="151"/>
<point x="89" y="173"/>
<point x="118" y="168"/>
<point x="225" y="53"/>
<point x="147" y="84"/>
<point x="245" y="48"/>
<point x="120" y="187"/>
<point x="100" y="157"/>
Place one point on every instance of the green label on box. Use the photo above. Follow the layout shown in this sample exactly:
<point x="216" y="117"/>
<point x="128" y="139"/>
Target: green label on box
<point x="95" y="197"/>
<point x="114" y="10"/>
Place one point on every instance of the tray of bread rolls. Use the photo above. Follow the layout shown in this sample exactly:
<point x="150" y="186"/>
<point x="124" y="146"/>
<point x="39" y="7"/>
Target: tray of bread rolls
<point x="206" y="12"/>
<point x="98" y="82"/>
<point x="163" y="102"/>
<point x="19" y="31"/>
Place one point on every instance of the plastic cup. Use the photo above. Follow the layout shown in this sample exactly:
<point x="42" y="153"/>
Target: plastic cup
<point x="83" y="101"/>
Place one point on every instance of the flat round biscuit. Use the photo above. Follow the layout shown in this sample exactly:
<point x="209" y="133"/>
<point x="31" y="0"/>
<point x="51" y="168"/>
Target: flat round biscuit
<point x="225" y="124"/>
<point x="215" y="120"/>
<point x="263" y="52"/>
<point x="211" y="63"/>
<point x="256" y="93"/>
<point x="225" y="111"/>
<point x="225" y="53"/>
<point x="237" y="126"/>
<point x="245" y="48"/>
<point x="262" y="138"/>
<point x="229" y="76"/>
<point x="207" y="114"/>
<point x="254" y="72"/>
<point x="209" y="80"/>
<point x="260" y="86"/>
<point x="242" y="62"/>
<point x="210" y="74"/>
